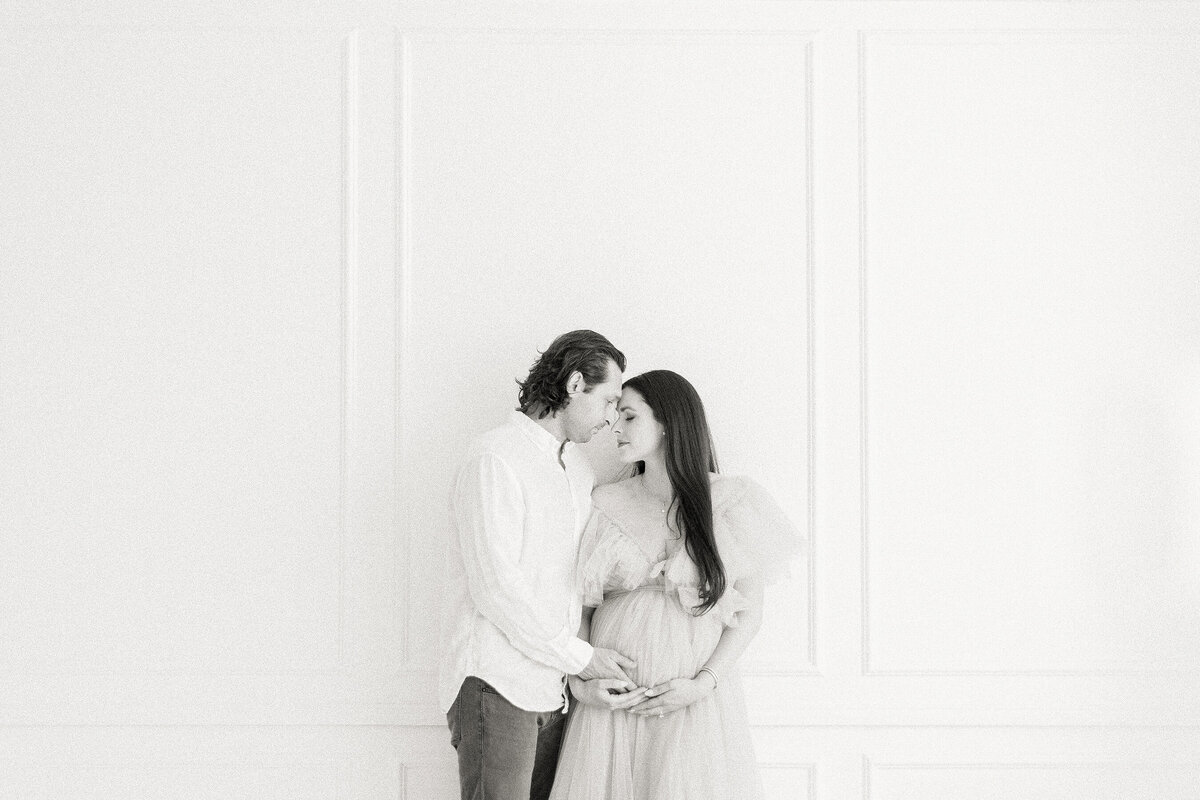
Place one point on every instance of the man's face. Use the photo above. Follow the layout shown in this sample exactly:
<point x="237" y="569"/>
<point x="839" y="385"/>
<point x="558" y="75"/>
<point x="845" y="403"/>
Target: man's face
<point x="593" y="408"/>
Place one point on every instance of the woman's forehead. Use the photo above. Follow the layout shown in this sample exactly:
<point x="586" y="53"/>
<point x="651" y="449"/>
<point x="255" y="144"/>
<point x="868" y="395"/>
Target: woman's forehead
<point x="631" y="397"/>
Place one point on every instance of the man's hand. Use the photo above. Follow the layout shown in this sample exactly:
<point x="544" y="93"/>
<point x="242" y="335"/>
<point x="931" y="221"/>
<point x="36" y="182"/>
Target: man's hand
<point x="607" y="693"/>
<point x="607" y="663"/>
<point x="671" y="696"/>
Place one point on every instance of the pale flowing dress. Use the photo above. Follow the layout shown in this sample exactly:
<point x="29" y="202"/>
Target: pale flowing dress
<point x="636" y="571"/>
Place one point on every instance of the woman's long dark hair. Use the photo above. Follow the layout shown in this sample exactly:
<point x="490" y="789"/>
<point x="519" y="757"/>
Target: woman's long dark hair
<point x="690" y="457"/>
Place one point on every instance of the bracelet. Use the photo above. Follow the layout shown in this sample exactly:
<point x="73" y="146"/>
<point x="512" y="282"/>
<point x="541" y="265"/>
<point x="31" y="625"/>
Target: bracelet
<point x="710" y="672"/>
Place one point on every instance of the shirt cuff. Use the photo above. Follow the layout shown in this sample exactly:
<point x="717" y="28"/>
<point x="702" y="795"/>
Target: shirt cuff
<point x="579" y="653"/>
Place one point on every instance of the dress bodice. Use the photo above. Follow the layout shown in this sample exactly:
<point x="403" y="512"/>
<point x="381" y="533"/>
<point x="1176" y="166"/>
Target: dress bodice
<point x="628" y="544"/>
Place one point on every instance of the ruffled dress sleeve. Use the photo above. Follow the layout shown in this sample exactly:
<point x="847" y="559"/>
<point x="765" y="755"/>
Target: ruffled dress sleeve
<point x="755" y="536"/>
<point x="608" y="560"/>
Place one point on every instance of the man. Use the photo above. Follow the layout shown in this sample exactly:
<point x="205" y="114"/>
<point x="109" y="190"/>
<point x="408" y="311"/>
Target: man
<point x="519" y="505"/>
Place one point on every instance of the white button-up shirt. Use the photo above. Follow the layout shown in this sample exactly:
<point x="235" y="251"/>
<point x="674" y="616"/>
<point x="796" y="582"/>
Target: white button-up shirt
<point x="512" y="604"/>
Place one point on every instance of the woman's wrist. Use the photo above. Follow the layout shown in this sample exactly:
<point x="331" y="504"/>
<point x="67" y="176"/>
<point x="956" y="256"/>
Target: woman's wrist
<point x="707" y="676"/>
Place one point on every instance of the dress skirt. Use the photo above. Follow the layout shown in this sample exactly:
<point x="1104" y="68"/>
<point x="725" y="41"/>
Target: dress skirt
<point x="701" y="752"/>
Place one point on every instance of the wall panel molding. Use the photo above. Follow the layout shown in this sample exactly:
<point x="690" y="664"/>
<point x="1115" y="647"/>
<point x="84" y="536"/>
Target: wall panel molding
<point x="108" y="41"/>
<point x="918" y="38"/>
<point x="803" y="39"/>
<point x="1157" y="780"/>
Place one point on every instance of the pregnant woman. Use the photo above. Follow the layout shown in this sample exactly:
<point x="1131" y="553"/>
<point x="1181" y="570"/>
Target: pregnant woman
<point x="674" y="561"/>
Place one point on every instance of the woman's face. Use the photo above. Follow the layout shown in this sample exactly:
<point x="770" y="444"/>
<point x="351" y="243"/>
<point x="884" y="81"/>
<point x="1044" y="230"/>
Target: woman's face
<point x="639" y="434"/>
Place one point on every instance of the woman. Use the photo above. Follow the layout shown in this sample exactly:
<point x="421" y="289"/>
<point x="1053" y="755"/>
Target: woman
<point x="674" y="560"/>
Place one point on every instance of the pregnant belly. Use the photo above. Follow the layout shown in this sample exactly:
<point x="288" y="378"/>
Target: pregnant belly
<point x="652" y="628"/>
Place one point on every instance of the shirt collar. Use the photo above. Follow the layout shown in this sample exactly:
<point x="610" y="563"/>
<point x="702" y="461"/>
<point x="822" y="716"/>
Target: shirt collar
<point x="539" y="435"/>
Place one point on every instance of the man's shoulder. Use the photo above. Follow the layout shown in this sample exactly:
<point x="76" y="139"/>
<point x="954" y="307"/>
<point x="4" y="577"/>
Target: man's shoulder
<point x="505" y="441"/>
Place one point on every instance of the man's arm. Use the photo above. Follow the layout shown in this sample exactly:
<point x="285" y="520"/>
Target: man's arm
<point x="610" y="693"/>
<point x="489" y="516"/>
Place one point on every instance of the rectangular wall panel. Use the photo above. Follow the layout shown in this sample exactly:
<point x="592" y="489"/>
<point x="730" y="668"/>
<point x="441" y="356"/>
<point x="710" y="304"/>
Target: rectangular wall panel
<point x="1034" y="781"/>
<point x="1030" y="351"/>
<point x="198" y="380"/>
<point x="141" y="763"/>
<point x="652" y="187"/>
<point x="174" y="350"/>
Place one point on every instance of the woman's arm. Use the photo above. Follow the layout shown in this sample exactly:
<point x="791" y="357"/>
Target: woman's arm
<point x="735" y="640"/>
<point x="682" y="692"/>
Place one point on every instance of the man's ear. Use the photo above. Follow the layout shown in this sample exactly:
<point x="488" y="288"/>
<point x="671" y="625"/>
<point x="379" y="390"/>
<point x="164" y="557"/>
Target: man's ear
<point x="576" y="383"/>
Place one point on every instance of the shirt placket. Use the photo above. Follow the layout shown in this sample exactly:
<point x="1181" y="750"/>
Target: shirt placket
<point x="570" y="489"/>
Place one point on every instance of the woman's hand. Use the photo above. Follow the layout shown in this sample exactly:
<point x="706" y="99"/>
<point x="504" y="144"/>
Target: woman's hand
<point x="669" y="697"/>
<point x="607" y="693"/>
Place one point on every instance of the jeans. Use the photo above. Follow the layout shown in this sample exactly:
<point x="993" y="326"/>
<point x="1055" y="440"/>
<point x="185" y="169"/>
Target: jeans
<point x="504" y="752"/>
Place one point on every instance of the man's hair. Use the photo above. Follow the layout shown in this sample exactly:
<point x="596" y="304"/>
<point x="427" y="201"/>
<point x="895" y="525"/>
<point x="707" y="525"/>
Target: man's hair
<point x="583" y="351"/>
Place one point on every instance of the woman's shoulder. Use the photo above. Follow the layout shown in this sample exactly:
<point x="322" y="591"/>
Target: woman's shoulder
<point x="607" y="491"/>
<point x="609" y="498"/>
<point x="740" y="497"/>
<point x="763" y="538"/>
<point x="728" y="490"/>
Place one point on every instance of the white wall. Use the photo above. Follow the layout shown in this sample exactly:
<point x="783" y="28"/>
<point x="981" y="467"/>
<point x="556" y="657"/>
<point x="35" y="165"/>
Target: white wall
<point x="933" y="268"/>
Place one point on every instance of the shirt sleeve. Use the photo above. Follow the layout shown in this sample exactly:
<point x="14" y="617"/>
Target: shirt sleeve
<point x="489" y="517"/>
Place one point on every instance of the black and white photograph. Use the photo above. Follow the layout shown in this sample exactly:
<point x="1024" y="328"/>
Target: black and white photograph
<point x="728" y="400"/>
